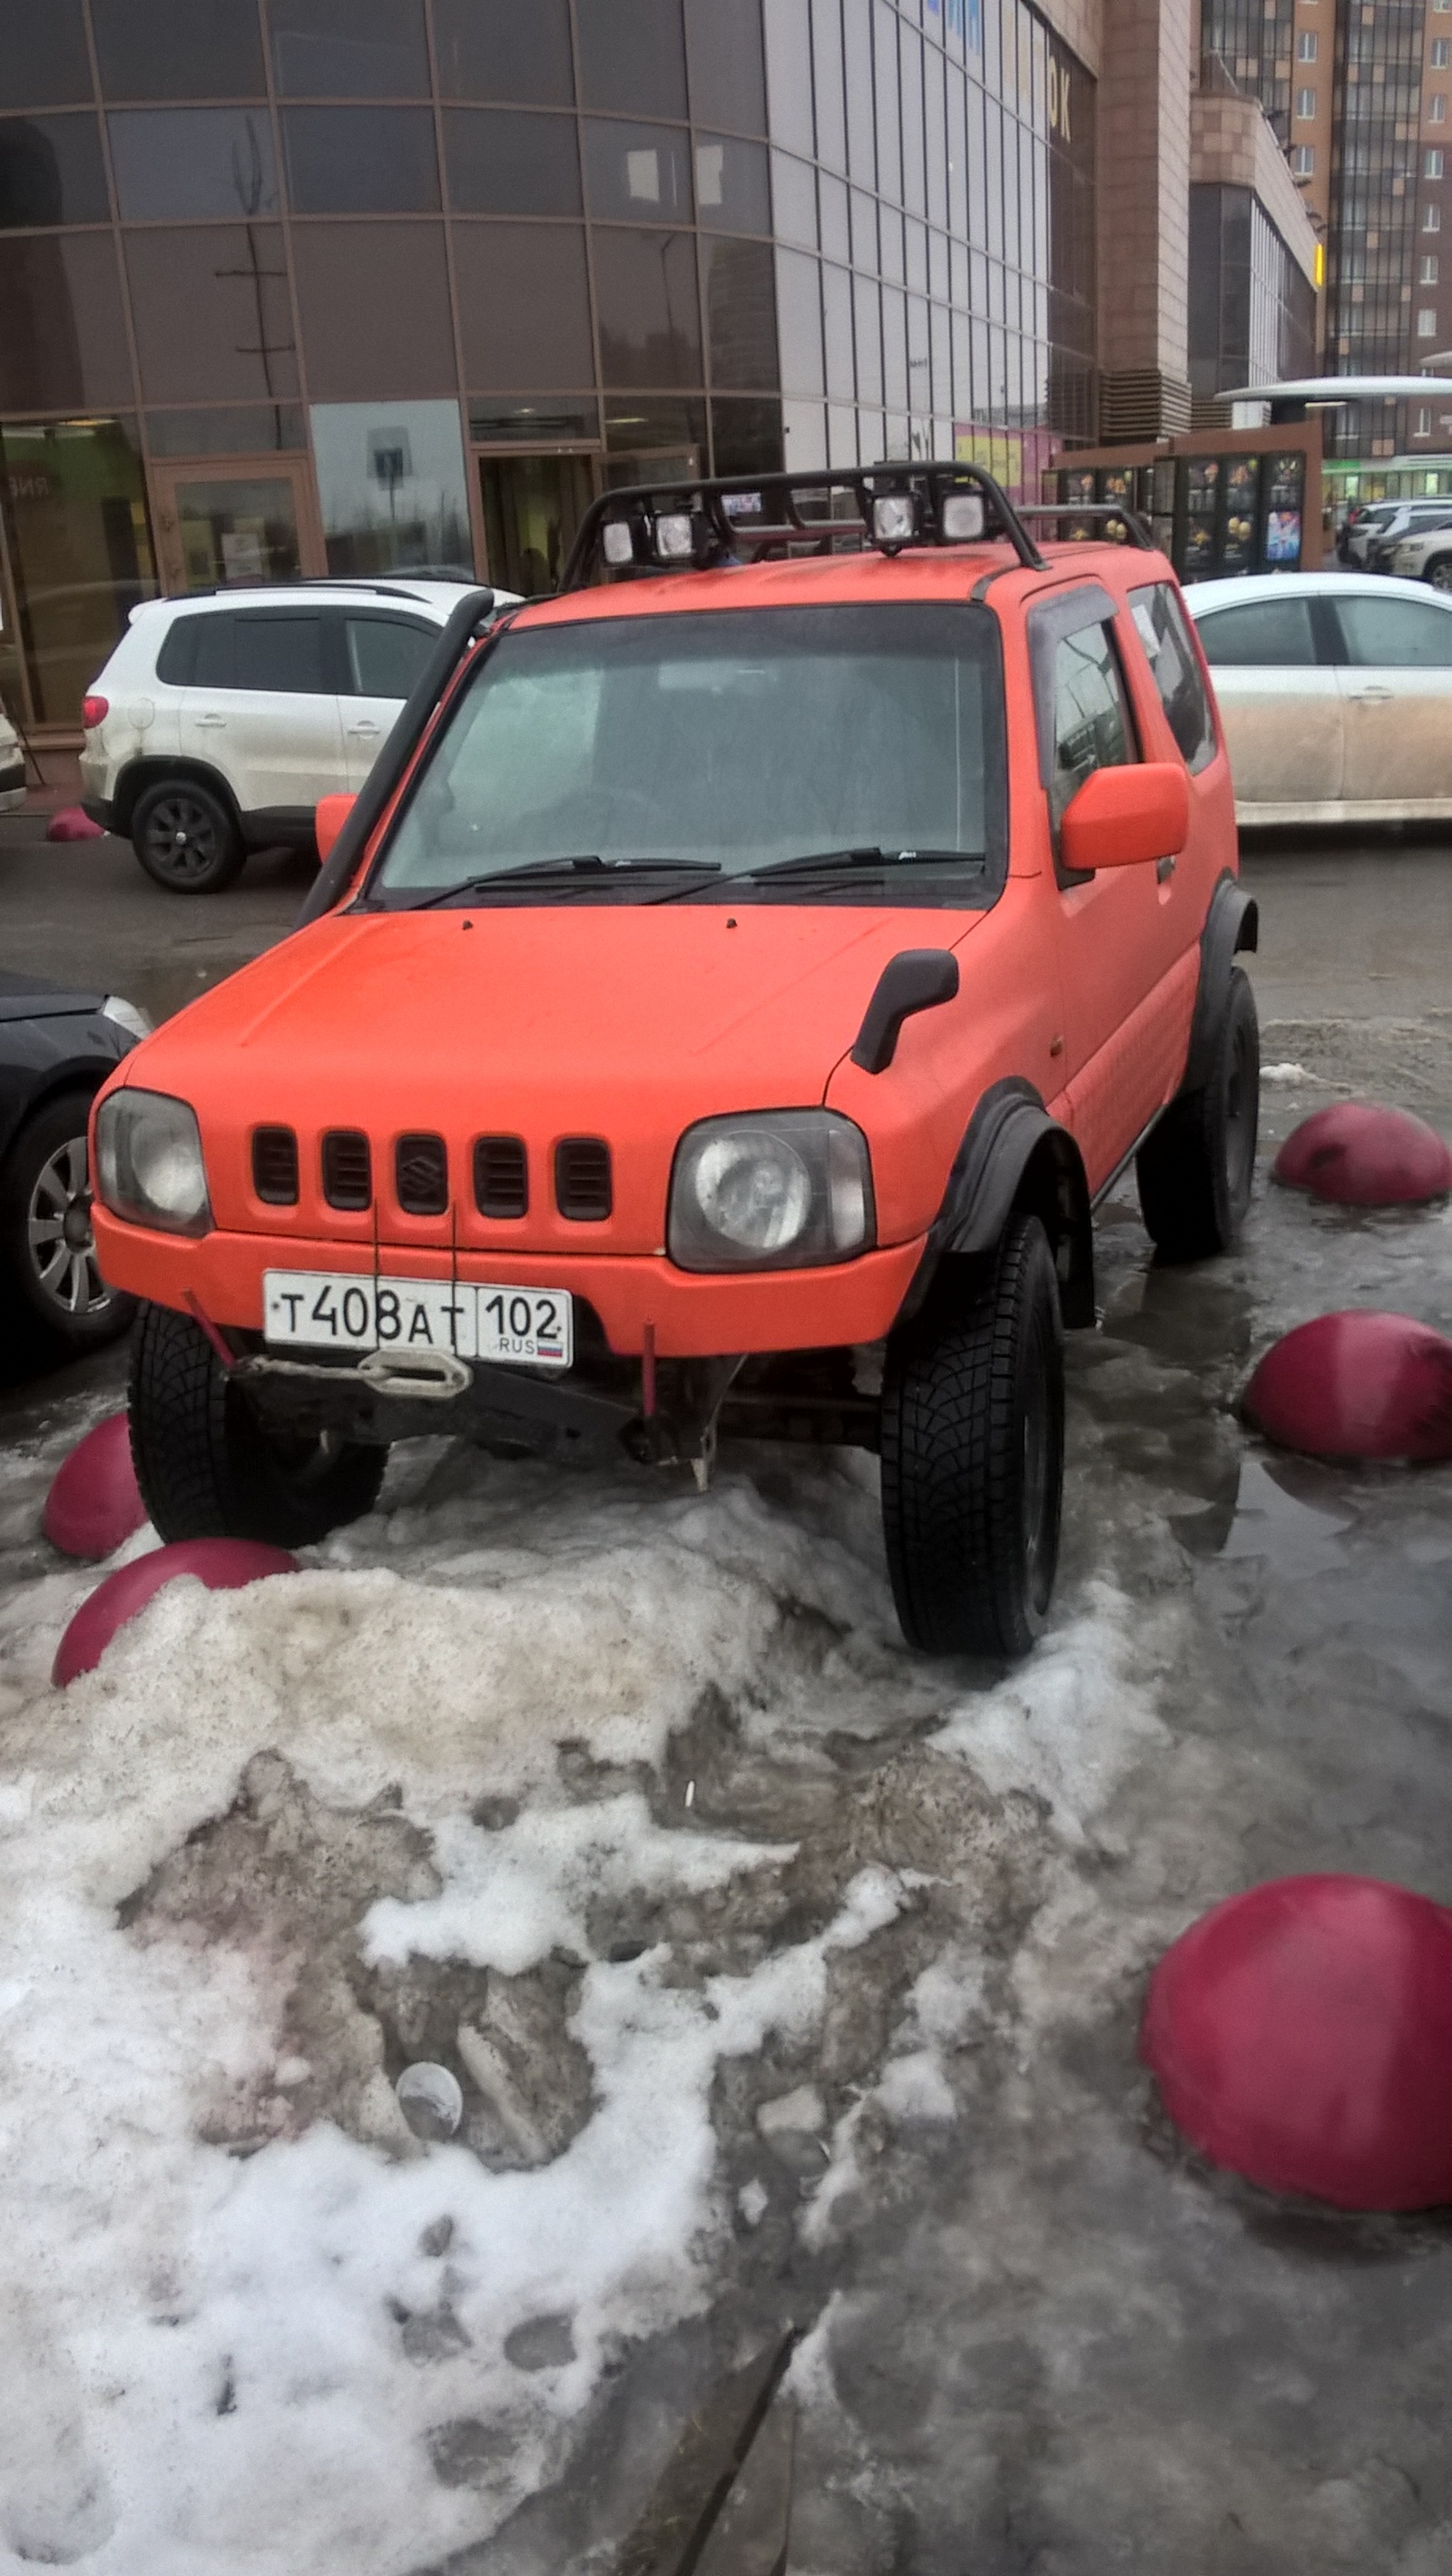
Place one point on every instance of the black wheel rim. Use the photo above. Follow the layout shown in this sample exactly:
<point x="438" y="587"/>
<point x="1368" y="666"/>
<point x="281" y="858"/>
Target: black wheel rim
<point x="182" y="841"/>
<point x="1442" y="576"/>
<point x="1240" y="1108"/>
<point x="59" y="1240"/>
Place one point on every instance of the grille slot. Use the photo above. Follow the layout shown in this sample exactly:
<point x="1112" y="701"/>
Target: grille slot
<point x="274" y="1165"/>
<point x="421" y="1175"/>
<point x="501" y="1176"/>
<point x="347" y="1168"/>
<point x="582" y="1179"/>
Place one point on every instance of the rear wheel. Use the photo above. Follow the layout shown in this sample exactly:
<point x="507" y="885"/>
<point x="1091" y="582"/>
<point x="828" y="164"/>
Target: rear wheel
<point x="1439" y="572"/>
<point x="186" y="838"/>
<point x="47" y="1249"/>
<point x="207" y="1468"/>
<point x="973" y="1453"/>
<point x="1195" y="1171"/>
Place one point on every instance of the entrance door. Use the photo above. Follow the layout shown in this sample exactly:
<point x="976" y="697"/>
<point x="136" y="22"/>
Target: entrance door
<point x="220" y="526"/>
<point x="532" y="507"/>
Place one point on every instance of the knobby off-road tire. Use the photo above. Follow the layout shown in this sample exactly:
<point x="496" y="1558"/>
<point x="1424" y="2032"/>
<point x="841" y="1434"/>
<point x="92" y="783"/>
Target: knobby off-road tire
<point x="1195" y="1171"/>
<point x="206" y="1467"/>
<point x="973" y="1453"/>
<point x="186" y="838"/>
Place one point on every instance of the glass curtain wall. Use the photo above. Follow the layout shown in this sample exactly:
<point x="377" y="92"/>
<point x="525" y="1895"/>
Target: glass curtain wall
<point x="933" y="190"/>
<point x="1373" y="209"/>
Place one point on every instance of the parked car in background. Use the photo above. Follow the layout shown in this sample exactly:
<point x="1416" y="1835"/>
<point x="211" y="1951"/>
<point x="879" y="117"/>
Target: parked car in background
<point x="1368" y="521"/>
<point x="1410" y="520"/>
<point x="1336" y="695"/>
<point x="12" y="767"/>
<point x="221" y="719"/>
<point x="1425" y="554"/>
<point x="56" y="1050"/>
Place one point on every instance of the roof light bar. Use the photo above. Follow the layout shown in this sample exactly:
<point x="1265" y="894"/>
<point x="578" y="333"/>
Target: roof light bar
<point x="894" y="520"/>
<point x="617" y="543"/>
<point x="675" y="540"/>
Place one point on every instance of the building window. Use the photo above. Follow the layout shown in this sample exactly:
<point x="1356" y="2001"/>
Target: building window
<point x="1307" y="45"/>
<point x="1441" y="53"/>
<point x="1305" y="104"/>
<point x="1303" y="160"/>
<point x="1429" y="270"/>
<point x="1437" y="110"/>
<point x="1431" y="219"/>
<point x="1432" y="165"/>
<point x="1426" y="322"/>
<point x="1424" y="422"/>
<point x="1442" y="7"/>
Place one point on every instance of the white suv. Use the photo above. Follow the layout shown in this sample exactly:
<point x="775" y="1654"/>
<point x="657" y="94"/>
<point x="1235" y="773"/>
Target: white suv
<point x="1425" y="554"/>
<point x="220" y="719"/>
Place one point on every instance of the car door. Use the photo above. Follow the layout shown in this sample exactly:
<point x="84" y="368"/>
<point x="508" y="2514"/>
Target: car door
<point x="1108" y="922"/>
<point x="1280" y="701"/>
<point x="383" y="654"/>
<point x="1396" y="681"/>
<point x="263" y="708"/>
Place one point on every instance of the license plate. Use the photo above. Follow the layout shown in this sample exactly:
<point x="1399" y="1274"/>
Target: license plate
<point x="338" y="1311"/>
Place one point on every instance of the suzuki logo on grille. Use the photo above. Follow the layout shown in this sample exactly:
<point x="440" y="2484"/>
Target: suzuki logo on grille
<point x="421" y="1171"/>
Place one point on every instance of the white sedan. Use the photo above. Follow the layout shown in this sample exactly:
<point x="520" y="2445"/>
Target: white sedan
<point x="1336" y="695"/>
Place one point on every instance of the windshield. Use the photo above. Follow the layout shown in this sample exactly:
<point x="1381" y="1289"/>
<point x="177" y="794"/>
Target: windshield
<point x="735" y="741"/>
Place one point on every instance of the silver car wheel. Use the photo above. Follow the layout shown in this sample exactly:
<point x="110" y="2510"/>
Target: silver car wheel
<point x="58" y="1232"/>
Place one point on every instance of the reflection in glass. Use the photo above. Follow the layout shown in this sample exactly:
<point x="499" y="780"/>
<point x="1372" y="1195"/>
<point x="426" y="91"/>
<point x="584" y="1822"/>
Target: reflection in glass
<point x="230" y="282"/>
<point x="649" y="312"/>
<point x="360" y="160"/>
<point x="51" y="171"/>
<point x="532" y="507"/>
<point x="349" y="48"/>
<point x="249" y="429"/>
<point x="170" y="162"/>
<point x="178" y="48"/>
<point x="43" y="60"/>
<point x="62" y="346"/>
<point x="74" y="509"/>
<point x="539" y="422"/>
<point x="632" y="61"/>
<point x="393" y="273"/>
<point x="498" y="49"/>
<point x="741" y="314"/>
<point x="723" y="46"/>
<point x="643" y="433"/>
<point x="524" y="306"/>
<point x="732" y="193"/>
<point x="502" y="164"/>
<point x="234" y="531"/>
<point x="391" y="484"/>
<point x="747" y="436"/>
<point x="637" y="173"/>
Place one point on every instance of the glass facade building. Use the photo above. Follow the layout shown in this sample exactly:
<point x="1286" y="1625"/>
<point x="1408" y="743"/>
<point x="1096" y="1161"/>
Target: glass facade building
<point x="352" y="286"/>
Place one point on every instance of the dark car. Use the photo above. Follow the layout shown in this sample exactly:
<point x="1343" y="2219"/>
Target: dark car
<point x="56" y="1049"/>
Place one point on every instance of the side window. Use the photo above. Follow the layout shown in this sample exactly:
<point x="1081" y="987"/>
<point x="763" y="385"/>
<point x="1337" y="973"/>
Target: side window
<point x="176" y="661"/>
<point x="1164" y="630"/>
<point x="1267" y="631"/>
<point x="1396" y="634"/>
<point x="279" y="650"/>
<point x="1091" y="718"/>
<point x="386" y="655"/>
<point x="212" y="651"/>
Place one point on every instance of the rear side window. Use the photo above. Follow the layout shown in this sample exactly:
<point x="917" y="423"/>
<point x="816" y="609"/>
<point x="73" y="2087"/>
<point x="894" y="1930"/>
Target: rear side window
<point x="386" y="655"/>
<point x="1164" y="630"/>
<point x="1396" y="634"/>
<point x="177" y="660"/>
<point x="1264" y="631"/>
<point x="279" y="650"/>
<point x="1091" y="718"/>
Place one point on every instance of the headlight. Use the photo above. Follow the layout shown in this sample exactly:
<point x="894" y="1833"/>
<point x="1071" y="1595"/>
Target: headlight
<point x="780" y="1190"/>
<point x="127" y="1015"/>
<point x="149" y="1162"/>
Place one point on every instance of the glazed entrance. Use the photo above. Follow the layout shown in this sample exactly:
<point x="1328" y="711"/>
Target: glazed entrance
<point x="532" y="507"/>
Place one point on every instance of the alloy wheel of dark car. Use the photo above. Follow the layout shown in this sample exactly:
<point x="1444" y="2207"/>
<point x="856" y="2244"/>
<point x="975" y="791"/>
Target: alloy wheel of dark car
<point x="1439" y="574"/>
<point x="186" y="839"/>
<point x="45" y="1225"/>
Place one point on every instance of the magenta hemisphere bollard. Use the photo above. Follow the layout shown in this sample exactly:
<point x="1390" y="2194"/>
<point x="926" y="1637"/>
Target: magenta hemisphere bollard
<point x="1364" y="1157"/>
<point x="223" y="1564"/>
<point x="1362" y="1384"/>
<point x="94" y="1501"/>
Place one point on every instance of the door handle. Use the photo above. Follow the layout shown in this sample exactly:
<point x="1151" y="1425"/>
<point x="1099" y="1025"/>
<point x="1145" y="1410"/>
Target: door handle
<point x="211" y="720"/>
<point x="365" y="728"/>
<point x="1370" y="697"/>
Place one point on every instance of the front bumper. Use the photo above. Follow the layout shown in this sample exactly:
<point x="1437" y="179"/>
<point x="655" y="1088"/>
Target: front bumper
<point x="692" y="1317"/>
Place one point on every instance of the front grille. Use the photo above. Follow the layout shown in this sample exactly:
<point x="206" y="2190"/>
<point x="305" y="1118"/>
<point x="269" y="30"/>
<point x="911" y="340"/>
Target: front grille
<point x="421" y="1175"/>
<point x="582" y="1179"/>
<point x="501" y="1176"/>
<point x="274" y="1165"/>
<point x="347" y="1169"/>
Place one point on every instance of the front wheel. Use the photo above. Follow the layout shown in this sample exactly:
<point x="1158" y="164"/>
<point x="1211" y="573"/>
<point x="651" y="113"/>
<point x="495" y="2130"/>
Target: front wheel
<point x="1196" y="1169"/>
<point x="206" y="1466"/>
<point x="47" y="1250"/>
<point x="1439" y="573"/>
<point x="185" y="837"/>
<point x="973" y="1453"/>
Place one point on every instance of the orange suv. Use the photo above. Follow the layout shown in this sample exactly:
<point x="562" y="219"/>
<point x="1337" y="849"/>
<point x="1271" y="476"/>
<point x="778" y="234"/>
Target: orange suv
<point x="720" y="1011"/>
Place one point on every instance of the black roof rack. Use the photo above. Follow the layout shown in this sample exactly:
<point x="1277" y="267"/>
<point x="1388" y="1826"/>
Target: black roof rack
<point x="401" y="587"/>
<point x="1136" y="528"/>
<point x="690" y="523"/>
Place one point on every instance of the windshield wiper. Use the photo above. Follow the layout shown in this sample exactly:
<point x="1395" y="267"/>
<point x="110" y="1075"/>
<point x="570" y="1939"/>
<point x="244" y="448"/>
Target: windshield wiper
<point x="830" y="862"/>
<point x="588" y="869"/>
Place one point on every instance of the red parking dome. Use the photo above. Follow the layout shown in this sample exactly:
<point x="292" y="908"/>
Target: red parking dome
<point x="1363" y="1157"/>
<point x="1301" y="2034"/>
<point x="1357" y="1385"/>
<point x="95" y="1502"/>
<point x="223" y="1564"/>
<point x="70" y="824"/>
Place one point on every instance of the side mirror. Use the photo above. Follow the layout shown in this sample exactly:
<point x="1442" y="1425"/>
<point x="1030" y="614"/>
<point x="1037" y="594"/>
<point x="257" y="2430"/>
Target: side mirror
<point x="331" y="814"/>
<point x="1127" y="816"/>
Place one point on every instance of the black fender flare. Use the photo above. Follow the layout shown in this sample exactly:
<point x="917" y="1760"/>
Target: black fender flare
<point x="1231" y="924"/>
<point x="1014" y="1155"/>
<point x="151" y="769"/>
